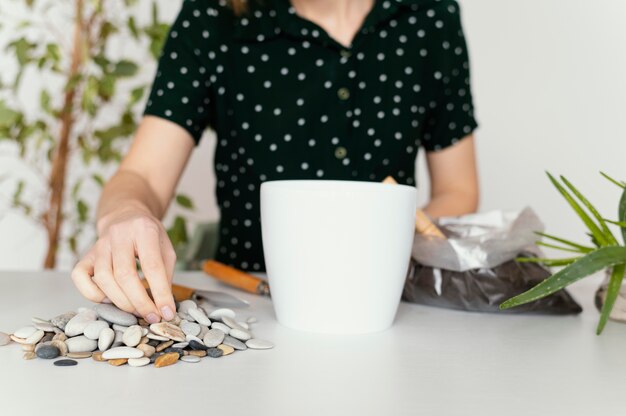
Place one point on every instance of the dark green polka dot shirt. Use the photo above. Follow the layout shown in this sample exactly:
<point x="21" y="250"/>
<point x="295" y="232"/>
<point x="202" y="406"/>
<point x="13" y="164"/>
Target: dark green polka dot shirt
<point x="289" y="102"/>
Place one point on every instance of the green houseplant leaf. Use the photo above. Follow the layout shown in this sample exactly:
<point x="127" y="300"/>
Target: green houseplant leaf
<point x="622" y="213"/>
<point x="615" y="283"/>
<point x="605" y="229"/>
<point x="597" y="233"/>
<point x="591" y="263"/>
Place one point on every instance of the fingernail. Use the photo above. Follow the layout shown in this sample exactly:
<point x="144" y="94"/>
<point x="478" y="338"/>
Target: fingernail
<point x="167" y="313"/>
<point x="152" y="318"/>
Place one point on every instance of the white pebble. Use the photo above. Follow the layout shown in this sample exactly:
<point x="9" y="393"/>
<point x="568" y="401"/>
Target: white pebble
<point x="219" y="313"/>
<point x="138" y="362"/>
<point x="106" y="338"/>
<point x="259" y="344"/>
<point x="25" y="332"/>
<point x="92" y="331"/>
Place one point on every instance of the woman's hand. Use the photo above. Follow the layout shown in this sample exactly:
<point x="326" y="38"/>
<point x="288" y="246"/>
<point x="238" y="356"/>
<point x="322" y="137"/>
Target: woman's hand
<point x="109" y="271"/>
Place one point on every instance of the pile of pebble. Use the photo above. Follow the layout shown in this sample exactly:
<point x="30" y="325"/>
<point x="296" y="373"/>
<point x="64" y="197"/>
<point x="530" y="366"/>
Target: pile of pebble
<point x="106" y="333"/>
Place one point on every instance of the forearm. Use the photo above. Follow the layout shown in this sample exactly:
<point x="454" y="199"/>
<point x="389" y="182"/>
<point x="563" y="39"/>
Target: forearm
<point x="452" y="203"/>
<point x="126" y="190"/>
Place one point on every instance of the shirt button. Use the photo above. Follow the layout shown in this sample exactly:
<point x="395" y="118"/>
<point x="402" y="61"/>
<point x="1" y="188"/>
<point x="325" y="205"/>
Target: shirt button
<point x="340" y="152"/>
<point x="343" y="93"/>
<point x="345" y="53"/>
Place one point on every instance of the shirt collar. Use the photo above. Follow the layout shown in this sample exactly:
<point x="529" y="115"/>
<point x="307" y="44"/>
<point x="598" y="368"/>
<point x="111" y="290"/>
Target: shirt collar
<point x="270" y="18"/>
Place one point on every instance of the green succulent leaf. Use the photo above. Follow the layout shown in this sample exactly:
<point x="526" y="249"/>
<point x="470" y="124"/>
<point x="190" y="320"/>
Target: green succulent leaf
<point x="622" y="213"/>
<point x="616" y="182"/>
<point x="591" y="263"/>
<point x="605" y="229"/>
<point x="568" y="249"/>
<point x="597" y="233"/>
<point x="615" y="284"/>
<point x="564" y="241"/>
<point x="548" y="262"/>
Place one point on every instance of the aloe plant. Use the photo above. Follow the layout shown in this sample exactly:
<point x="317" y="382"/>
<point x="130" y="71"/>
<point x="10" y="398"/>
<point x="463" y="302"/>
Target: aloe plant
<point x="604" y="252"/>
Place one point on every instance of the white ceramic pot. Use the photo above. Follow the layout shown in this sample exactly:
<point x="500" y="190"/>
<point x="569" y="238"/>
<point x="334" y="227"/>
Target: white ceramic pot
<point x="337" y="252"/>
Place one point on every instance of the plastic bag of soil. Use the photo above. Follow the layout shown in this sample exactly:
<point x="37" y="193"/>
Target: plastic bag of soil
<point x="474" y="268"/>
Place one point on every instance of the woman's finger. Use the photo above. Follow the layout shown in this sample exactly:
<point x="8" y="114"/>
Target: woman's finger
<point x="127" y="278"/>
<point x="103" y="276"/>
<point x="153" y="266"/>
<point x="82" y="278"/>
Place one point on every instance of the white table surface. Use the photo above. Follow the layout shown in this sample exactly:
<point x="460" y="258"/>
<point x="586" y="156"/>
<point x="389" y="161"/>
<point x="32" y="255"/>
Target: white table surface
<point x="431" y="362"/>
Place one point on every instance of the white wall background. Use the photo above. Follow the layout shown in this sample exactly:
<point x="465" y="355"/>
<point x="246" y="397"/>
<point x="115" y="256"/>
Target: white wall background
<point x="550" y="94"/>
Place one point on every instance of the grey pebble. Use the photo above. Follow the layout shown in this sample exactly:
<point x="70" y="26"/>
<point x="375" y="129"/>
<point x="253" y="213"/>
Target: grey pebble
<point x="65" y="363"/>
<point x="117" y="327"/>
<point x="180" y="345"/>
<point x="231" y="323"/>
<point x="203" y="330"/>
<point x="36" y="320"/>
<point x="132" y="336"/>
<point x="45" y="326"/>
<point x="199" y="316"/>
<point x="214" y="352"/>
<point x="219" y="313"/>
<point x="190" y="328"/>
<point x="240" y="334"/>
<point x="235" y="343"/>
<point x="61" y="320"/>
<point x="47" y="352"/>
<point x="251" y="320"/>
<point x="222" y="327"/>
<point x="115" y="315"/>
<point x="213" y="338"/>
<point x="190" y="359"/>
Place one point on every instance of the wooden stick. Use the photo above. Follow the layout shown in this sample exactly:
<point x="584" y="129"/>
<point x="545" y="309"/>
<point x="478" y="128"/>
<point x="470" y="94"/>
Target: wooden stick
<point x="235" y="277"/>
<point x="423" y="224"/>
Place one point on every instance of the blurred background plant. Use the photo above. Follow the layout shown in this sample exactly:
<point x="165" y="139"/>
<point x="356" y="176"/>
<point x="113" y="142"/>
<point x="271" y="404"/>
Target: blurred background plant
<point x="89" y="102"/>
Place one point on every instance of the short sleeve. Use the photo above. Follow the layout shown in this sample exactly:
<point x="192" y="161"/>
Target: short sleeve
<point x="450" y="116"/>
<point x="181" y="91"/>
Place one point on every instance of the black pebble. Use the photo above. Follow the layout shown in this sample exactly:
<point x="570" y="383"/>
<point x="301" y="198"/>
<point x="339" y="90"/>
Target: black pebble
<point x="214" y="352"/>
<point x="47" y="352"/>
<point x="65" y="363"/>
<point x="155" y="356"/>
<point x="154" y="342"/>
<point x="195" y="345"/>
<point x="171" y="349"/>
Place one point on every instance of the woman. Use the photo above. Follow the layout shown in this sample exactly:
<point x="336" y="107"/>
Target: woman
<point x="300" y="89"/>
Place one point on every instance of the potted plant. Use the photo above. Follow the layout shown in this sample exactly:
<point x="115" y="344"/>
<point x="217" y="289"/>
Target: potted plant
<point x="605" y="251"/>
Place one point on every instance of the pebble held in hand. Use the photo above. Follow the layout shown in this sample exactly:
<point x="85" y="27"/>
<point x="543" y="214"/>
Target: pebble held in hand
<point x="108" y="334"/>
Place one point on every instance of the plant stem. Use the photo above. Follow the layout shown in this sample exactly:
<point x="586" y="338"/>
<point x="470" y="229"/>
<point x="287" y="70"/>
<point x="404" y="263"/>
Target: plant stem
<point x="53" y="217"/>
